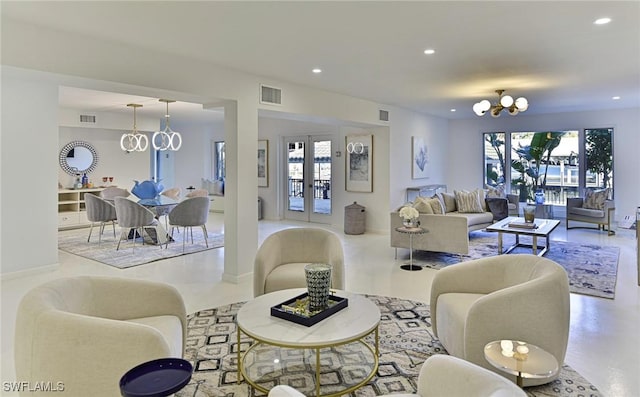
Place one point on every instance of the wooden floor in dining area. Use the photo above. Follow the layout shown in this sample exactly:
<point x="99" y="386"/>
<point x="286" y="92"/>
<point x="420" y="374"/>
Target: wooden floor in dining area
<point x="603" y="342"/>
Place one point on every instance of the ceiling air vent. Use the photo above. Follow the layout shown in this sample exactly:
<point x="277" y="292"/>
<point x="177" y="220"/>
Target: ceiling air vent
<point x="384" y="115"/>
<point x="85" y="118"/>
<point x="270" y="95"/>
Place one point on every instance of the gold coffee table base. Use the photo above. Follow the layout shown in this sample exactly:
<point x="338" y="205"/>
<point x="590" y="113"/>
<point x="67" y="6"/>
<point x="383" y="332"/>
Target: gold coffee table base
<point x="374" y="350"/>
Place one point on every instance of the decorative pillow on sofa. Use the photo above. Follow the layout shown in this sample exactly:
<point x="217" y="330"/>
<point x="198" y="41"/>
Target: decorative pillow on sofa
<point x="468" y="202"/>
<point x="422" y="205"/>
<point x="594" y="199"/>
<point x="448" y="201"/>
<point x="496" y="191"/>
<point x="436" y="205"/>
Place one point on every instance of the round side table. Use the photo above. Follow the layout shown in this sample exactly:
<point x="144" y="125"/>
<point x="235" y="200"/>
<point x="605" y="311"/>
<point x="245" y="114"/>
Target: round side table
<point x="521" y="359"/>
<point x="411" y="231"/>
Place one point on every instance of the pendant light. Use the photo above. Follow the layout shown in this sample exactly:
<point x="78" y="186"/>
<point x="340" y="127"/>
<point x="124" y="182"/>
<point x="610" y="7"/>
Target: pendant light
<point x="167" y="139"/>
<point x="134" y="141"/>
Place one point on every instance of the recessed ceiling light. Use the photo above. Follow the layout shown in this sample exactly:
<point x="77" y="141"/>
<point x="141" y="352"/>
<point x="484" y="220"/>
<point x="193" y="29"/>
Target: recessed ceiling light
<point x="602" y="21"/>
<point x="429" y="51"/>
<point x="615" y="98"/>
<point x="317" y="70"/>
<point x="453" y="110"/>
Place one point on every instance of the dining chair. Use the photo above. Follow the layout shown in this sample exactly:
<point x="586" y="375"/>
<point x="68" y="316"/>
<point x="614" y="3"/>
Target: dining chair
<point x="198" y="193"/>
<point x="173" y="193"/>
<point x="191" y="212"/>
<point x="112" y="192"/>
<point x="99" y="211"/>
<point x="134" y="216"/>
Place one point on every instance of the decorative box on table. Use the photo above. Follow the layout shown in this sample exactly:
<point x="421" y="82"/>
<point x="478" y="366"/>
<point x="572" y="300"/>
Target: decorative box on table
<point x="284" y="310"/>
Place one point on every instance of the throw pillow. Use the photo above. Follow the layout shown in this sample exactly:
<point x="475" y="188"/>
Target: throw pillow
<point x="481" y="197"/>
<point x="448" y="201"/>
<point x="496" y="191"/>
<point x="436" y="205"/>
<point x="468" y="202"/>
<point x="594" y="199"/>
<point x="422" y="205"/>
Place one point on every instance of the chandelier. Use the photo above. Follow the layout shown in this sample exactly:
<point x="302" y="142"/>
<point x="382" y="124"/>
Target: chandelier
<point x="167" y="139"/>
<point x="134" y="141"/>
<point x="505" y="102"/>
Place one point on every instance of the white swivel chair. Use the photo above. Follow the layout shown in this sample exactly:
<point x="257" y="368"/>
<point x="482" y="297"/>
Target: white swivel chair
<point x="87" y="332"/>
<point x="445" y="376"/>
<point x="281" y="259"/>
<point x="519" y="297"/>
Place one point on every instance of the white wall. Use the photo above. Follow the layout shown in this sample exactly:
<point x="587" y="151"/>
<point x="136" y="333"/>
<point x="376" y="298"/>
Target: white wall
<point x="435" y="131"/>
<point x="465" y="147"/>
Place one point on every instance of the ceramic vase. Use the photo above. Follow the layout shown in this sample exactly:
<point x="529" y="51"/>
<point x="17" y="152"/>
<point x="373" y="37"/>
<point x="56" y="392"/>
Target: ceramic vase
<point x="318" y="285"/>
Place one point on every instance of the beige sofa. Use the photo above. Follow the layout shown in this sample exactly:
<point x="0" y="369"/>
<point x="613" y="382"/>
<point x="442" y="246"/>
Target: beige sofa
<point x="448" y="232"/>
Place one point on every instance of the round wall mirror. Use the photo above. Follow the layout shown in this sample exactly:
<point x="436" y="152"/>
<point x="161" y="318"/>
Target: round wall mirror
<point x="78" y="157"/>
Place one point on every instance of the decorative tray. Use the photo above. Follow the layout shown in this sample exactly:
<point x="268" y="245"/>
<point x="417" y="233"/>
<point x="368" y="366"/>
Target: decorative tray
<point x="296" y="310"/>
<point x="523" y="225"/>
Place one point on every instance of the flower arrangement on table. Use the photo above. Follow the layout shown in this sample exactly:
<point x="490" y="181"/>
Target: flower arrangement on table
<point x="410" y="216"/>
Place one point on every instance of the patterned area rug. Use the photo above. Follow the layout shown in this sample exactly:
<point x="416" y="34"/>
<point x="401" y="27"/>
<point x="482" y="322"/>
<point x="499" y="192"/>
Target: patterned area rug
<point x="592" y="269"/>
<point x="75" y="242"/>
<point x="406" y="341"/>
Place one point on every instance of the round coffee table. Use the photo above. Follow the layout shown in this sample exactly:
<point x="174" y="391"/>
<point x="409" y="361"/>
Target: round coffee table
<point x="351" y="324"/>
<point x="521" y="359"/>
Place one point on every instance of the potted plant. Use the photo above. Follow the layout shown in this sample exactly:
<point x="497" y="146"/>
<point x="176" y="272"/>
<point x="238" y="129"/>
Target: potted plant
<point x="533" y="160"/>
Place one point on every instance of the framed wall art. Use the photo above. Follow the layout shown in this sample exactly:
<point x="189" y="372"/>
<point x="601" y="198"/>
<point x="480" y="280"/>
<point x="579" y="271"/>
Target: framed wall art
<point x="359" y="163"/>
<point x="263" y="163"/>
<point x="419" y="159"/>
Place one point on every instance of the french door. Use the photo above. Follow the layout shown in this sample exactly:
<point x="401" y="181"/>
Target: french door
<point x="308" y="188"/>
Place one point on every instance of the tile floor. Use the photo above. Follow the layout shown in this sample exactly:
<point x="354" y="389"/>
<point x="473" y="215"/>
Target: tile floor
<point x="604" y="345"/>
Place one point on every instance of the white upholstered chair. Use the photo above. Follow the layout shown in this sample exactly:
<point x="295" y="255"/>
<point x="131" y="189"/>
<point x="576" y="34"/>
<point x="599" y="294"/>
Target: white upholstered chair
<point x="87" y="332"/>
<point x="281" y="258"/>
<point x="99" y="211"/>
<point x="445" y="376"/>
<point x="519" y="297"/>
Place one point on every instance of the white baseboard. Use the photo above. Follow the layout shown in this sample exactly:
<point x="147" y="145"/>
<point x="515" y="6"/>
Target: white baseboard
<point x="29" y="272"/>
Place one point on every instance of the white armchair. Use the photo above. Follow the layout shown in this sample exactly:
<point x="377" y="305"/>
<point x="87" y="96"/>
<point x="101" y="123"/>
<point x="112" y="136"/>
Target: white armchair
<point x="89" y="331"/>
<point x="281" y="258"/>
<point x="519" y="297"/>
<point x="445" y="376"/>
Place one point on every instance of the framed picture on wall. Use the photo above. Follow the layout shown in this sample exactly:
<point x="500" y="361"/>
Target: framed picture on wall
<point x="359" y="163"/>
<point x="419" y="159"/>
<point x="263" y="163"/>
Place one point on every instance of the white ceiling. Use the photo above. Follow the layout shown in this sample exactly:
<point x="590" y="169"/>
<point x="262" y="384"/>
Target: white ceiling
<point x="549" y="52"/>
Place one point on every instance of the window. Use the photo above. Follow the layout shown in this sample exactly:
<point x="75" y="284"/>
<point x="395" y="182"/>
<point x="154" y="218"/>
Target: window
<point x="219" y="169"/>
<point x="494" y="161"/>
<point x="559" y="164"/>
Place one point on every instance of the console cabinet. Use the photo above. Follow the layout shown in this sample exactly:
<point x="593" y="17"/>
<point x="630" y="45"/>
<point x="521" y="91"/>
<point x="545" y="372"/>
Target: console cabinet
<point x="72" y="212"/>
